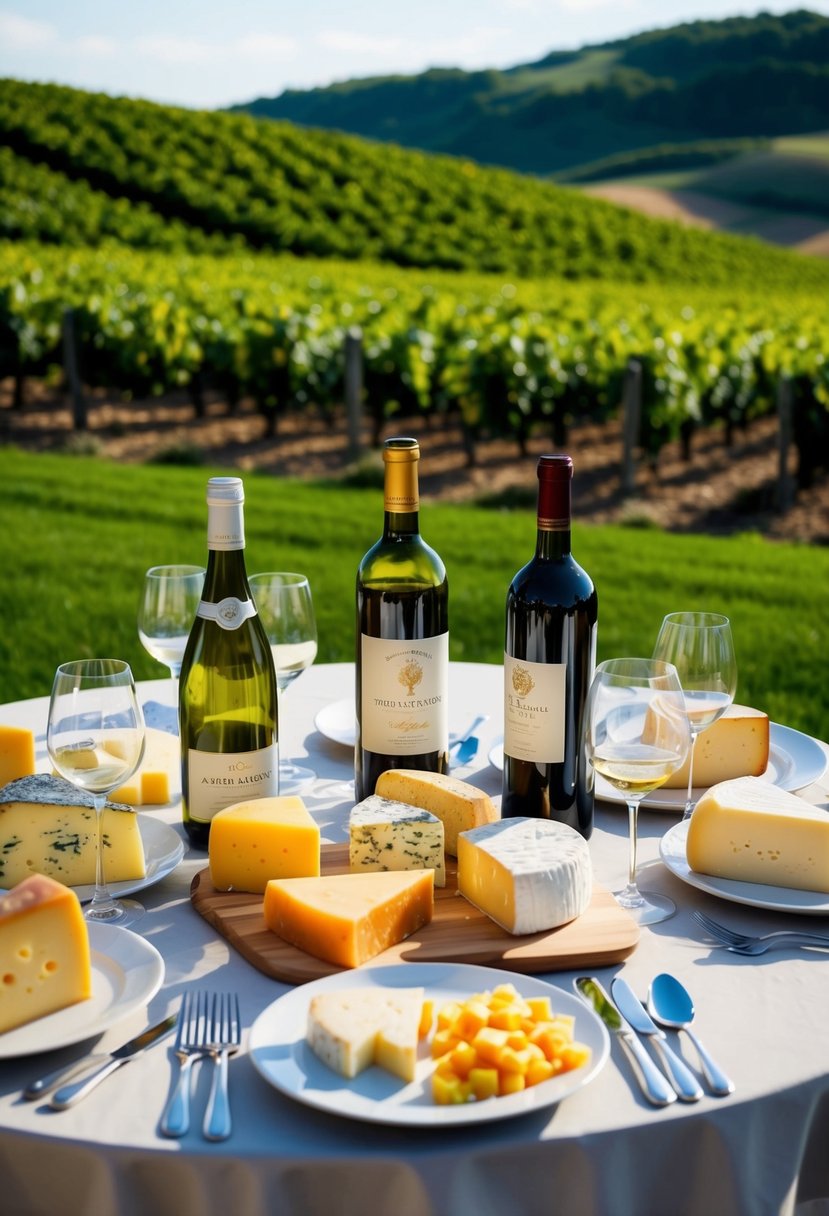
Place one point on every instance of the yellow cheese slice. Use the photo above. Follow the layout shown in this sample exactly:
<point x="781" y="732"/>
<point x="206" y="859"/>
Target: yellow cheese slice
<point x="347" y="919"/>
<point x="17" y="753"/>
<point x="353" y="1028"/>
<point x="737" y="745"/>
<point x="158" y="775"/>
<point x="44" y="951"/>
<point x="459" y="805"/>
<point x="47" y="826"/>
<point x="752" y="831"/>
<point x="253" y="842"/>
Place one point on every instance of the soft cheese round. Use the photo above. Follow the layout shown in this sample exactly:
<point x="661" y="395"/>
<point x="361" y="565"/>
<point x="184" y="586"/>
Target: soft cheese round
<point x="527" y="874"/>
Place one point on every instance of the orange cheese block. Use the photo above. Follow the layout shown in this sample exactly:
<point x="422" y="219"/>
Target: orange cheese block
<point x="253" y="842"/>
<point x="44" y="951"/>
<point x="17" y="753"/>
<point x="347" y="919"/>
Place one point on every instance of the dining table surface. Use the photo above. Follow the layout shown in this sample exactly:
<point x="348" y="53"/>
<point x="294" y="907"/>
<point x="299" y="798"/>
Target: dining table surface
<point x="603" y="1149"/>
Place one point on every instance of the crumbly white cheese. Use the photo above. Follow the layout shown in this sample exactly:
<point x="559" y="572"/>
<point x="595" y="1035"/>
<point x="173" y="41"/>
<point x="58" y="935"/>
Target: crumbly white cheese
<point x="389" y="835"/>
<point x="351" y="1029"/>
<point x="528" y="875"/>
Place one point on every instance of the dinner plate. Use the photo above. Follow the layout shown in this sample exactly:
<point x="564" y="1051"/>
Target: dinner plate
<point x="163" y="850"/>
<point x="126" y="973"/>
<point x="337" y="722"/>
<point x="795" y="761"/>
<point x="758" y="895"/>
<point x="280" y="1053"/>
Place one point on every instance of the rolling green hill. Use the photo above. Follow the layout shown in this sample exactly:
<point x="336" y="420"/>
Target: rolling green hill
<point x="761" y="76"/>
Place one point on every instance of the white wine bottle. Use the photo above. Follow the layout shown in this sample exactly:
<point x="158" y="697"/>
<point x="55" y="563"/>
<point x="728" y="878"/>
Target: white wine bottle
<point x="549" y="659"/>
<point x="402" y="638"/>
<point x="227" y="688"/>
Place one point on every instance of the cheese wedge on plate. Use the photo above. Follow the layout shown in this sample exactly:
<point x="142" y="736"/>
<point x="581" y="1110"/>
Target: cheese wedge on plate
<point x="737" y="745"/>
<point x="352" y="1028"/>
<point x="48" y="826"/>
<point x="459" y="805"/>
<point x="44" y="951"/>
<point x="751" y="831"/>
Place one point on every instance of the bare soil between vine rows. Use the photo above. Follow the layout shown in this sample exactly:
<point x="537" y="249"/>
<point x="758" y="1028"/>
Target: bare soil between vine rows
<point x="722" y="490"/>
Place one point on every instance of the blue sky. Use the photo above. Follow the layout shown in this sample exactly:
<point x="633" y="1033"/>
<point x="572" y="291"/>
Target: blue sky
<point x="214" y="53"/>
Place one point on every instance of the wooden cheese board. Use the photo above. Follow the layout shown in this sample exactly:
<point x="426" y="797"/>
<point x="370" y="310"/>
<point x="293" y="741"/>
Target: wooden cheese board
<point x="458" y="932"/>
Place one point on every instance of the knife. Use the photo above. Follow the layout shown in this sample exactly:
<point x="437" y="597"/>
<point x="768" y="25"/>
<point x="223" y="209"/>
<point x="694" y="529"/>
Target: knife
<point x="654" y="1086"/>
<point x="684" y="1081"/>
<point x="80" y="1088"/>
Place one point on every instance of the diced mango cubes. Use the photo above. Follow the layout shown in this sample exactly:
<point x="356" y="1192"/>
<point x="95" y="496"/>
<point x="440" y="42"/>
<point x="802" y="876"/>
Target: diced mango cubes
<point x="499" y="1043"/>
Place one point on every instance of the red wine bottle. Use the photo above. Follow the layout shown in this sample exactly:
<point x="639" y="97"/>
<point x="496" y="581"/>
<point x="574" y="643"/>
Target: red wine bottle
<point x="549" y="659"/>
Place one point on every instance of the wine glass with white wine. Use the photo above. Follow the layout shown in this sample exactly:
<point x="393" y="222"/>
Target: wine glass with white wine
<point x="95" y="738"/>
<point x="169" y="600"/>
<point x="286" y="610"/>
<point x="700" y="646"/>
<point x="637" y="735"/>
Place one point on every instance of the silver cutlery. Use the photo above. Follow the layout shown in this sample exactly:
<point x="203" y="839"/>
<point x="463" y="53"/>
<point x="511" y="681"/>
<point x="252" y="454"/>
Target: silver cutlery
<point x="745" y="943"/>
<point x="468" y="743"/>
<point x="670" y="1004"/>
<point x="683" y="1080"/>
<point x="190" y="1046"/>
<point x="654" y="1085"/>
<point x="73" y="1092"/>
<point x="224" y="1037"/>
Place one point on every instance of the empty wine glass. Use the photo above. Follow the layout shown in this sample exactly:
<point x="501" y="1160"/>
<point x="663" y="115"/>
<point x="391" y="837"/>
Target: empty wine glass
<point x="95" y="738"/>
<point x="169" y="599"/>
<point x="700" y="646"/>
<point x="286" y="610"/>
<point x="636" y="736"/>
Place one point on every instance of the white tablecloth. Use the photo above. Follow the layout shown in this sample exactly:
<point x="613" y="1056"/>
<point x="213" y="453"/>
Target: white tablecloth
<point x="603" y="1150"/>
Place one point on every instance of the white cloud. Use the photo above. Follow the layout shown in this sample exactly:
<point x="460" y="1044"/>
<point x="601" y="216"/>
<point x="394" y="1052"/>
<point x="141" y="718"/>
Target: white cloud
<point x="22" y="34"/>
<point x="264" y="46"/>
<point x="359" y="44"/>
<point x="94" y="44"/>
<point x="166" y="49"/>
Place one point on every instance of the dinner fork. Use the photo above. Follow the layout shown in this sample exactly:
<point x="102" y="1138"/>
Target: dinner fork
<point x="190" y="1046"/>
<point x="744" y="943"/>
<point x="223" y="1040"/>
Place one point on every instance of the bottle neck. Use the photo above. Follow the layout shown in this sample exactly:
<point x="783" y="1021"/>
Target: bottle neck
<point x="401" y="500"/>
<point x="225" y="574"/>
<point x="553" y="536"/>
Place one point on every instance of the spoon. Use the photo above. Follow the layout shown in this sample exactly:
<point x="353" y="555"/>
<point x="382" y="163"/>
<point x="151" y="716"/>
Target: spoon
<point x="671" y="1005"/>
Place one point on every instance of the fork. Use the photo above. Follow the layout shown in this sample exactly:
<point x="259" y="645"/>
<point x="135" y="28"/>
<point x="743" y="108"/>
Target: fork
<point x="744" y="943"/>
<point x="190" y="1046"/>
<point x="223" y="1040"/>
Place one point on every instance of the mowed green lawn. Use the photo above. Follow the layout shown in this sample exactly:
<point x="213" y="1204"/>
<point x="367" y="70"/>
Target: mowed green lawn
<point x="77" y="534"/>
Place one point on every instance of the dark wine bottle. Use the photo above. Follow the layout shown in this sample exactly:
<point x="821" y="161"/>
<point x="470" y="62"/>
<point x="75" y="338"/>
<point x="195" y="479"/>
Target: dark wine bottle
<point x="227" y="688"/>
<point x="402" y="668"/>
<point x="549" y="659"/>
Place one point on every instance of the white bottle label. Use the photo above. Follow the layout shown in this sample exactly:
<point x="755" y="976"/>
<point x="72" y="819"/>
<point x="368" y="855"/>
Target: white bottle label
<point x="218" y="779"/>
<point x="534" y="710"/>
<point x="229" y="613"/>
<point x="405" y="710"/>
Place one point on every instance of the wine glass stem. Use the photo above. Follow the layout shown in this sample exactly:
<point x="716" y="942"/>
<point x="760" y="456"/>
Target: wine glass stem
<point x="630" y="897"/>
<point x="103" y="905"/>
<point x="689" y="800"/>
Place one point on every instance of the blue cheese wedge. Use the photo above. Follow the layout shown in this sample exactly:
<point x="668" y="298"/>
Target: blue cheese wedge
<point x="389" y="835"/>
<point x="353" y="1028"/>
<point x="48" y="826"/>
<point x="528" y="875"/>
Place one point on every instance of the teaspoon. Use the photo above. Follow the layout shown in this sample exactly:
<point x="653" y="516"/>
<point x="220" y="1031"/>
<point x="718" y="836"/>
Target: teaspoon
<point x="671" y="1005"/>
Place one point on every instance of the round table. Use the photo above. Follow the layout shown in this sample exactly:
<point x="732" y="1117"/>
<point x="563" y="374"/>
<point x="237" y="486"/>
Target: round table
<point x="603" y="1150"/>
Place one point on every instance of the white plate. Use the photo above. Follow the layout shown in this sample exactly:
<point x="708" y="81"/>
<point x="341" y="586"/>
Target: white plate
<point x="163" y="850"/>
<point x="280" y="1053"/>
<point x="337" y="722"/>
<point x="758" y="895"/>
<point x="126" y="973"/>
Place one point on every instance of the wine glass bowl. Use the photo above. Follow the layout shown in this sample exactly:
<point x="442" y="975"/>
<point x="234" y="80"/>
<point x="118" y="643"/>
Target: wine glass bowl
<point x="286" y="609"/>
<point x="169" y="599"/>
<point x="701" y="647"/>
<point x="636" y="736"/>
<point x="95" y="739"/>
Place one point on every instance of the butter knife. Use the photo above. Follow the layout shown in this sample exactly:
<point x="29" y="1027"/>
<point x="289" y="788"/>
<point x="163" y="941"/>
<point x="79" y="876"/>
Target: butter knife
<point x="684" y="1081"/>
<point x="654" y="1085"/>
<point x="99" y="1068"/>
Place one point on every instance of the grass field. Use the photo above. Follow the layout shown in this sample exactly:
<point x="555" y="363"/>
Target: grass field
<point x="78" y="533"/>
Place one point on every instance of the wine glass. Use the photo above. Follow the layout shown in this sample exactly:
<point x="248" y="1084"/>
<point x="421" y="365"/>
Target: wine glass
<point x="283" y="601"/>
<point x="95" y="738"/>
<point x="700" y="646"/>
<point x="169" y="599"/>
<point x="636" y="735"/>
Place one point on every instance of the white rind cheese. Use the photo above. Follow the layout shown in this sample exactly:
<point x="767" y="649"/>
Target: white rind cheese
<point x="48" y="826"/>
<point x="389" y="835"/>
<point x="459" y="805"/>
<point x="751" y="831"/>
<point x="528" y="875"/>
<point x="353" y="1028"/>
